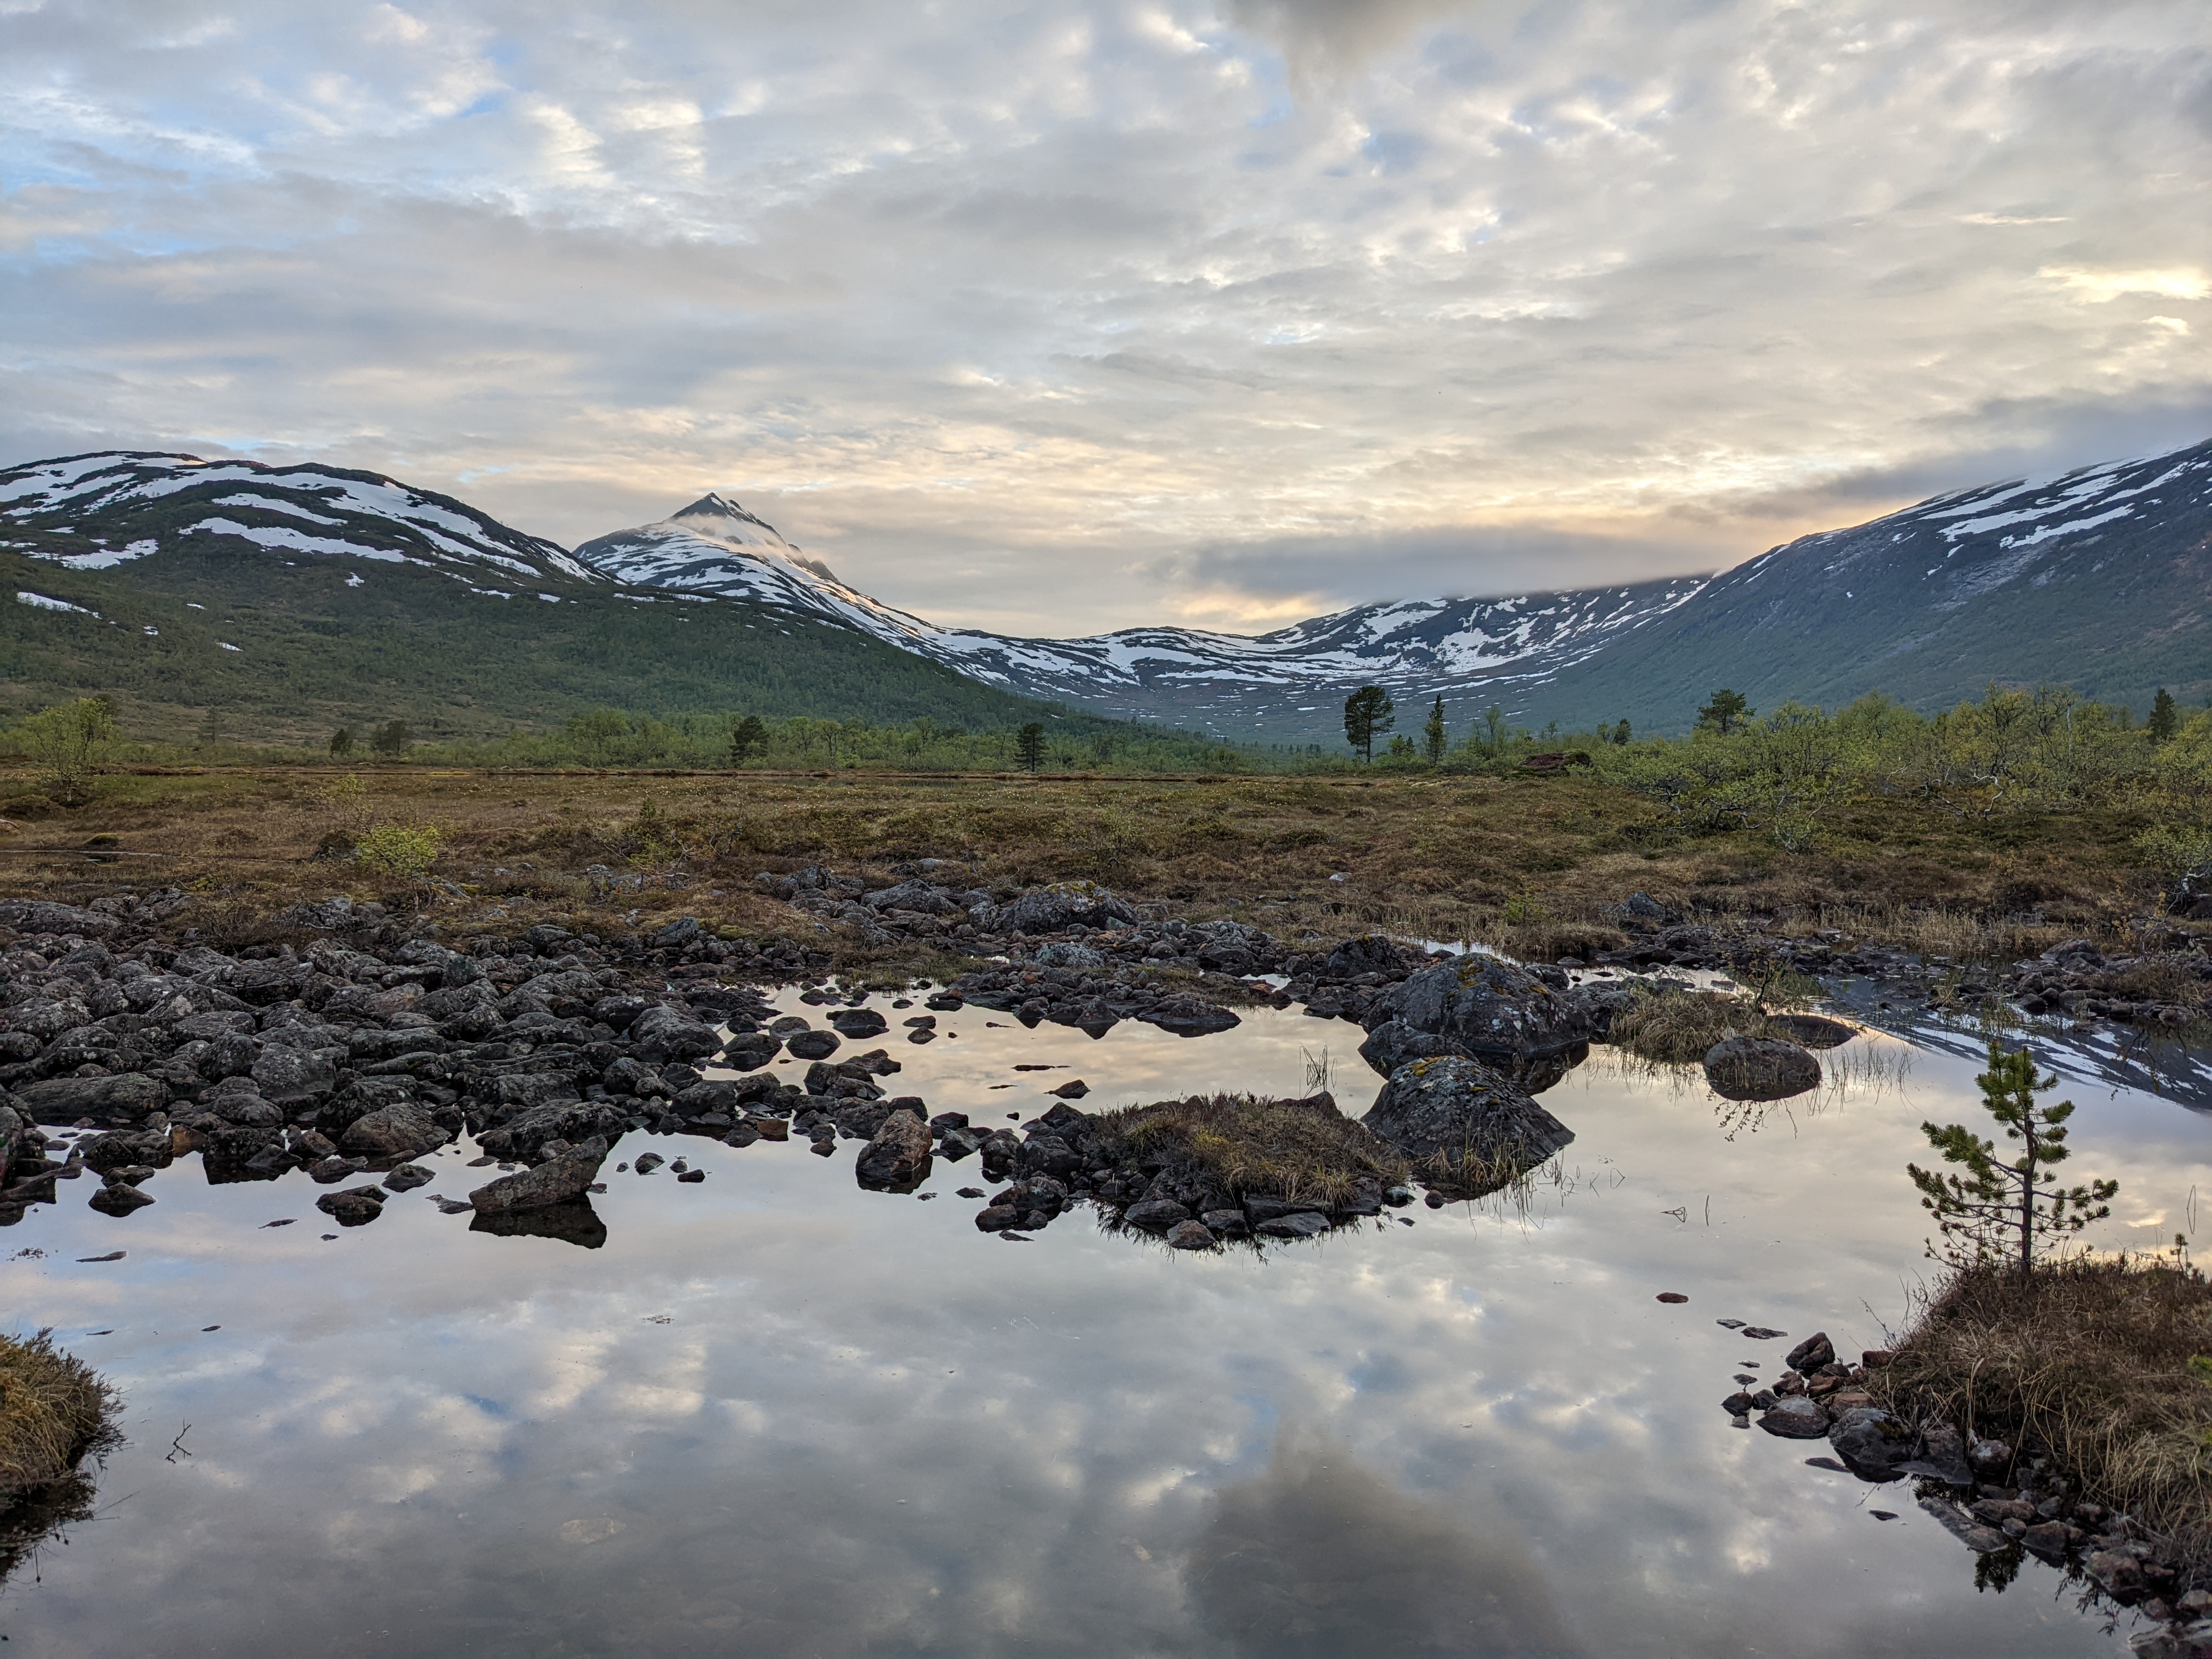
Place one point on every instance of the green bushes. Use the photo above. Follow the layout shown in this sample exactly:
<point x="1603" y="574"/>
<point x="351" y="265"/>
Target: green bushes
<point x="397" y="849"/>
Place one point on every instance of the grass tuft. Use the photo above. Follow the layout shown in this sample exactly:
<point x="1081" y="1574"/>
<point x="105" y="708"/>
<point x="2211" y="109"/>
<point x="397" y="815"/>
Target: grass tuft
<point x="1294" y="1149"/>
<point x="2101" y="1364"/>
<point x="1676" y="1028"/>
<point x="53" y="1410"/>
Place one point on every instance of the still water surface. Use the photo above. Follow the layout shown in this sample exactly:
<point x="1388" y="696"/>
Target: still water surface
<point x="777" y="1415"/>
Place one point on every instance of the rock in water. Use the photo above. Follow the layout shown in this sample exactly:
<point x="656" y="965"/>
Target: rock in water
<point x="1871" y="1443"/>
<point x="1795" y="1418"/>
<point x="1808" y="1356"/>
<point x="554" y="1181"/>
<point x="1488" y="1008"/>
<point x="356" y="1207"/>
<point x="1814" y="1030"/>
<point x="1463" y="1115"/>
<point x="897" y="1157"/>
<point x="858" y="1022"/>
<point x="1754" y="1068"/>
<point x="119" y="1199"/>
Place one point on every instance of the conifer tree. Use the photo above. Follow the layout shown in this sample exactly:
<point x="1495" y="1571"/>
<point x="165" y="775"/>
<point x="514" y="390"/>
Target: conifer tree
<point x="1029" y="746"/>
<point x="1996" y="1210"/>
<point x="2163" y="720"/>
<point x="1433" y="737"/>
<point x="1368" y="713"/>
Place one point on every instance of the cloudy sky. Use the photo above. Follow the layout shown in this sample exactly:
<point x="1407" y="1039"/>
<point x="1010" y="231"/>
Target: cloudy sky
<point x="1052" y="315"/>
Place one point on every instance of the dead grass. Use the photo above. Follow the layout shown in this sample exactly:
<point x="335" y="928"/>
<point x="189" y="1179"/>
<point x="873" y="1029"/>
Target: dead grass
<point x="1294" y="1149"/>
<point x="1531" y="865"/>
<point x="53" y="1410"/>
<point x="1677" y="1028"/>
<point x="2088" y="1361"/>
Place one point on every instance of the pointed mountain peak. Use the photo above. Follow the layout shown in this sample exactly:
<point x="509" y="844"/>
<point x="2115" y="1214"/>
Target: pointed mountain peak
<point x="715" y="515"/>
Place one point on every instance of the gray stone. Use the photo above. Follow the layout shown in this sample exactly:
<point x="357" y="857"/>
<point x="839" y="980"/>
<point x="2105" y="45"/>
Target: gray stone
<point x="1049" y="909"/>
<point x="297" y="1073"/>
<point x="401" y="1130"/>
<point x="244" y="1109"/>
<point x="1808" y="1356"/>
<point x="1492" y="1009"/>
<point x="1303" y="1224"/>
<point x="1795" y="1418"/>
<point x="858" y="1022"/>
<point x="119" y="1198"/>
<point x="1155" y="1215"/>
<point x="1758" y="1068"/>
<point x="1191" y="1235"/>
<point x="556" y="1181"/>
<point x="407" y="1177"/>
<point x="356" y="1207"/>
<point x="812" y="1045"/>
<point x="109" y="1102"/>
<point x="1467" y="1117"/>
<point x="662" y="1034"/>
<point x="1871" y="1441"/>
<point x="1394" y="1043"/>
<point x="896" y="1158"/>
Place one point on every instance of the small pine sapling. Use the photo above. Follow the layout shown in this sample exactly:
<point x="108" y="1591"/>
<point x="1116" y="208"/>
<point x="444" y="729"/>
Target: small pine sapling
<point x="1997" y="1211"/>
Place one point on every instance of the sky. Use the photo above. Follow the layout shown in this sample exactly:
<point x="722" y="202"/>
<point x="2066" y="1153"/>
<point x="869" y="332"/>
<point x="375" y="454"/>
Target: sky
<point x="1073" y="314"/>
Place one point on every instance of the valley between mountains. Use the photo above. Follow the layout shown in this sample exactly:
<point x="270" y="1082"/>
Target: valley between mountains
<point x="290" y="596"/>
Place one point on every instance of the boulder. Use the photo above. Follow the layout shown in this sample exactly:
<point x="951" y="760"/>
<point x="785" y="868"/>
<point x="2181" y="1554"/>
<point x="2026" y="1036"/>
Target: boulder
<point x="37" y="916"/>
<point x="525" y="1136"/>
<point x="401" y="1130"/>
<point x="896" y="1158"/>
<point x="407" y="1177"/>
<point x="1370" y="954"/>
<point x="109" y="1102"/>
<point x="663" y="1034"/>
<point x="1759" y="1068"/>
<point x="1394" y="1043"/>
<point x="1190" y="1236"/>
<point x="750" y="1050"/>
<point x="554" y="1181"/>
<point x="858" y="1022"/>
<point x="244" y="1108"/>
<point x="1467" y="1117"/>
<point x="1490" y="1009"/>
<point x="1302" y="1223"/>
<point x="812" y="1045"/>
<point x="285" y="1075"/>
<point x="1049" y="909"/>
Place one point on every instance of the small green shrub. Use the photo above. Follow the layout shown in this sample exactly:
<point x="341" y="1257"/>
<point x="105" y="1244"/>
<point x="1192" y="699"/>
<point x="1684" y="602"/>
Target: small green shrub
<point x="399" y="850"/>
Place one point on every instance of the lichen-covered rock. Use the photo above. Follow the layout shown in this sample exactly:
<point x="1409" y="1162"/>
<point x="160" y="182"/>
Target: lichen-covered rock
<point x="288" y="1074"/>
<point x="662" y="1034"/>
<point x="1489" y="1008"/>
<point x="1758" y="1068"/>
<point x="1466" y="1116"/>
<point x="1394" y="1043"/>
<point x="1049" y="909"/>
<point x="525" y="1134"/>
<point x="1871" y="1443"/>
<point x="554" y="1181"/>
<point x="403" y="1129"/>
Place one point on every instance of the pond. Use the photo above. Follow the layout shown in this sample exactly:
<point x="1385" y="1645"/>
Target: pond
<point x="776" y="1414"/>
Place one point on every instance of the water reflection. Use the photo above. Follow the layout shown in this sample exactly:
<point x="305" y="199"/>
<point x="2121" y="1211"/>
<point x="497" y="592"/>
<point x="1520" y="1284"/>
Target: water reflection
<point x="776" y="1414"/>
<point x="1320" y="1557"/>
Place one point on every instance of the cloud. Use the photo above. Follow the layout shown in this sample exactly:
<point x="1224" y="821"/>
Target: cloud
<point x="1093" y="312"/>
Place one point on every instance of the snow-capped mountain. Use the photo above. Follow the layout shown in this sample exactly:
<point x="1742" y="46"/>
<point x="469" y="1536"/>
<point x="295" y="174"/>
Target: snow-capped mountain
<point x="2100" y="578"/>
<point x="1273" y="684"/>
<point x="144" y="503"/>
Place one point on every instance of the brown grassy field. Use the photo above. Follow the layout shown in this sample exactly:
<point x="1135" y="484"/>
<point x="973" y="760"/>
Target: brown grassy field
<point x="1529" y="865"/>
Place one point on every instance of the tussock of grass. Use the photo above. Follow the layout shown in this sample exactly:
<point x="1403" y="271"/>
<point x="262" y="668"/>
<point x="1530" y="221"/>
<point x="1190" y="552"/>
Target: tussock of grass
<point x="1295" y="1149"/>
<point x="53" y="1410"/>
<point x="1678" y="1027"/>
<point x="2089" y="1362"/>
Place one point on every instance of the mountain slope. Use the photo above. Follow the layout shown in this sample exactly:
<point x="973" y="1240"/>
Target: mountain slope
<point x="294" y="599"/>
<point x="2100" y="579"/>
<point x="1286" y="686"/>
